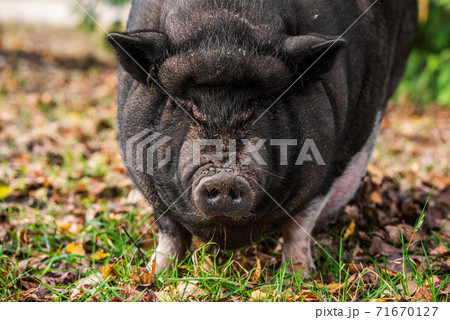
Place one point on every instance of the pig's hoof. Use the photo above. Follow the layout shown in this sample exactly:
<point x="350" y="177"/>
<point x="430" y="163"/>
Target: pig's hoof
<point x="168" y="252"/>
<point x="160" y="262"/>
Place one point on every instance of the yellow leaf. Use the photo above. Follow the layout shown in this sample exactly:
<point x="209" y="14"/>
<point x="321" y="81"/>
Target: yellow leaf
<point x="99" y="255"/>
<point x="107" y="271"/>
<point x="349" y="231"/>
<point x="4" y="192"/>
<point x="75" y="248"/>
<point x="380" y="300"/>
<point x="73" y="228"/>
<point x="257" y="273"/>
<point x="333" y="286"/>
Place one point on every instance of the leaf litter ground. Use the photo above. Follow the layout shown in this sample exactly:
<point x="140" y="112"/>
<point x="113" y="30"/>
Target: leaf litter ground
<point x="65" y="200"/>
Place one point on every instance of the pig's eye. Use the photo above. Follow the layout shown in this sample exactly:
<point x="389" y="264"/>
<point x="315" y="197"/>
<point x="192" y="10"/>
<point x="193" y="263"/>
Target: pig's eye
<point x="190" y="105"/>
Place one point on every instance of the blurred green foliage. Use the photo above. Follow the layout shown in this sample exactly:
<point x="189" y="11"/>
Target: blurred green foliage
<point x="427" y="76"/>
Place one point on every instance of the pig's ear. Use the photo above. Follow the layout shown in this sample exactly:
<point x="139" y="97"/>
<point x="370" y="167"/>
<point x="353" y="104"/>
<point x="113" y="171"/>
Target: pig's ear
<point x="303" y="51"/>
<point x="137" y="51"/>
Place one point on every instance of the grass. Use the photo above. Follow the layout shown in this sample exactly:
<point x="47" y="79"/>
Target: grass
<point x="213" y="275"/>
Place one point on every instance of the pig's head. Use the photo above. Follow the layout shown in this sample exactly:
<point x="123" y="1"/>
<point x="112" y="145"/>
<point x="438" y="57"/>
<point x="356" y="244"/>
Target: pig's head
<point x="234" y="143"/>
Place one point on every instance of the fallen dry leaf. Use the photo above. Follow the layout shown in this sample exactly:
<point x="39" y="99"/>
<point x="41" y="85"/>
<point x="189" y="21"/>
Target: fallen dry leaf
<point x="349" y="230"/>
<point x="100" y="255"/>
<point x="376" y="197"/>
<point x="423" y="294"/>
<point x="71" y="228"/>
<point x="34" y="262"/>
<point x="75" y="248"/>
<point x="257" y="274"/>
<point x="38" y="294"/>
<point x="257" y="295"/>
<point x="381" y="247"/>
<point x="96" y="187"/>
<point x="108" y="271"/>
<point x="189" y="289"/>
<point x="440" y="250"/>
<point x="142" y="276"/>
<point x="307" y="296"/>
<point x="129" y="293"/>
<point x="4" y="234"/>
<point x="85" y="284"/>
<point x="395" y="264"/>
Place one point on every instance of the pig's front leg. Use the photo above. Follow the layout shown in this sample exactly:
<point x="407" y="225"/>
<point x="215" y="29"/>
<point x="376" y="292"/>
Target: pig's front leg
<point x="174" y="241"/>
<point x="297" y="243"/>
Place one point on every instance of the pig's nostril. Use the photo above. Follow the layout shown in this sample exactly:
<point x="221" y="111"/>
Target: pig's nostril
<point x="235" y="196"/>
<point x="223" y="194"/>
<point x="212" y="195"/>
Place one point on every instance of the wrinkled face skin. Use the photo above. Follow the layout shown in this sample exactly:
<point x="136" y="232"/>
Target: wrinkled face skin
<point x="218" y="84"/>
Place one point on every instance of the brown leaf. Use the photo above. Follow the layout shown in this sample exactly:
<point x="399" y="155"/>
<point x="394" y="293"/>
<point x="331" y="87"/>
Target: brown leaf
<point x="434" y="217"/>
<point x="147" y="296"/>
<point x="96" y="187"/>
<point x="412" y="287"/>
<point x="445" y="290"/>
<point x="29" y="282"/>
<point x="257" y="295"/>
<point x="86" y="284"/>
<point x="257" y="274"/>
<point x="25" y="237"/>
<point x="380" y="247"/>
<point x="395" y="232"/>
<point x="59" y="278"/>
<point x="307" y="296"/>
<point x="142" y="276"/>
<point x="4" y="234"/>
<point x="446" y="230"/>
<point x="376" y="197"/>
<point x="395" y="265"/>
<point x="423" y="294"/>
<point x="444" y="197"/>
<point x="38" y="294"/>
<point x="130" y="293"/>
<point x="440" y="250"/>
<point x="189" y="289"/>
<point x="35" y="262"/>
<point x="385" y="219"/>
<point x="434" y="280"/>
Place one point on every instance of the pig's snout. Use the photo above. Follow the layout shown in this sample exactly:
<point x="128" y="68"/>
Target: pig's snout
<point x="224" y="194"/>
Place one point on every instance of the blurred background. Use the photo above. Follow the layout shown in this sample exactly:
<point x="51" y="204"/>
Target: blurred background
<point x="427" y="80"/>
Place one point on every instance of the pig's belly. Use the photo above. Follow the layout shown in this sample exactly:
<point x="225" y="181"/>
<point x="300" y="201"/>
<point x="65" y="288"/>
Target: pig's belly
<point x="345" y="186"/>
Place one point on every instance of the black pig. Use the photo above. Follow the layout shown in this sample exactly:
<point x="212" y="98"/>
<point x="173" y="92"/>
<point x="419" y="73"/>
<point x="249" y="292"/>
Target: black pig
<point x="292" y="98"/>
